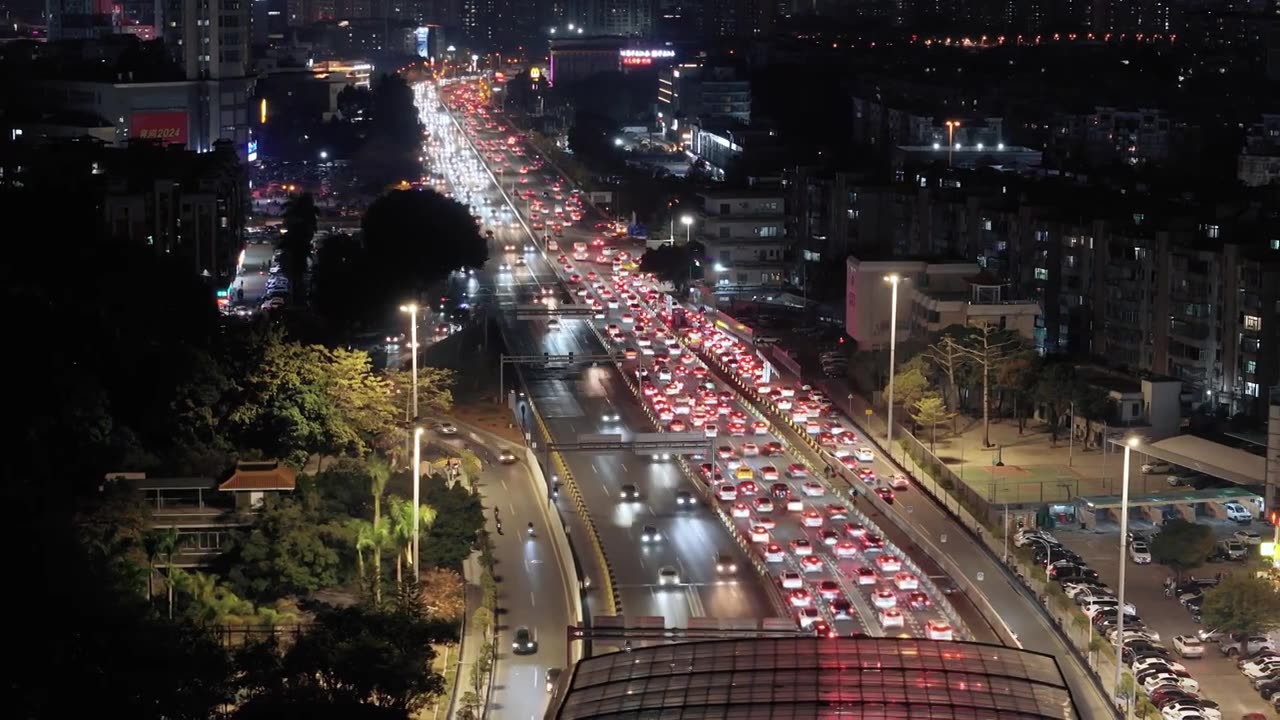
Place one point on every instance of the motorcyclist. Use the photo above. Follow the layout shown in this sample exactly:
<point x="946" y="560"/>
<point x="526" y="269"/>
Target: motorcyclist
<point x="530" y="528"/>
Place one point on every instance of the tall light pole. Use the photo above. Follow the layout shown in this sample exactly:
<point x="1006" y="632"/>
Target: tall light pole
<point x="894" y="279"/>
<point x="951" y="134"/>
<point x="687" y="221"/>
<point x="1129" y="444"/>
<point x="417" y="481"/>
<point x="412" y="309"/>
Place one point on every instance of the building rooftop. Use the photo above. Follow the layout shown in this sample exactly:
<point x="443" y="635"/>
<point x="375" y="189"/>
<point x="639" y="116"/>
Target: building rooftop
<point x="902" y="678"/>
<point x="265" y="475"/>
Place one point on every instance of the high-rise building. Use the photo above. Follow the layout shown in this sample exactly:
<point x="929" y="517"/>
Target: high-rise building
<point x="209" y="38"/>
<point x="612" y="17"/>
<point x="79" y="19"/>
<point x="738" y="18"/>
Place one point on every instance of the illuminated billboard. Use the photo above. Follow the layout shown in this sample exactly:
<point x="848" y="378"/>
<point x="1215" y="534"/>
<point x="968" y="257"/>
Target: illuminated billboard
<point x="645" y="56"/>
<point x="169" y="126"/>
<point x="422" y="41"/>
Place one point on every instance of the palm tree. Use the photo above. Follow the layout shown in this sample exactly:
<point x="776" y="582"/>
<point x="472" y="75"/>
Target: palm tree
<point x="363" y="532"/>
<point x="166" y="544"/>
<point x="400" y="512"/>
<point x="151" y="546"/>
<point x="379" y="474"/>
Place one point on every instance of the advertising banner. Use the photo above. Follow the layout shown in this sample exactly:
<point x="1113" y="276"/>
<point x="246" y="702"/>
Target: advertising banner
<point x="167" y="126"/>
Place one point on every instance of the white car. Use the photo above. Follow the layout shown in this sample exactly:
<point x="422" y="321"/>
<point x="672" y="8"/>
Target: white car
<point x="889" y="563"/>
<point x="906" y="581"/>
<point x="884" y="598"/>
<point x="891" y="617"/>
<point x="864" y="454"/>
<point x="668" y="575"/>
<point x="1190" y="710"/>
<point x="1156" y="467"/>
<point x="1186" y="683"/>
<point x="447" y="428"/>
<point x="791" y="580"/>
<point x="899" y="482"/>
<point x="1153" y="662"/>
<point x="813" y="489"/>
<point x="1188" y="646"/>
<point x="938" y="630"/>
<point x="1255" y="669"/>
<point x="1139" y="553"/>
<point x="650" y="534"/>
<point x="1248" y="537"/>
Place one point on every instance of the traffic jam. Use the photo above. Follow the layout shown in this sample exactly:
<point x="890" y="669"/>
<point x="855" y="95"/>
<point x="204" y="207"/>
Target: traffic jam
<point x="835" y="574"/>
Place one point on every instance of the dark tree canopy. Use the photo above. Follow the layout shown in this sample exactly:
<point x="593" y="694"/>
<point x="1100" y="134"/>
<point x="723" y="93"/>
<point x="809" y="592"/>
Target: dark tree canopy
<point x="459" y="520"/>
<point x="672" y="263"/>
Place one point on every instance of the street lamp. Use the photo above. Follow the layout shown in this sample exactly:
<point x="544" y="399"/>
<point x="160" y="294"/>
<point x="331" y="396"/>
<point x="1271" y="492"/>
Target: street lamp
<point x="1129" y="444"/>
<point x="412" y="309"/>
<point x="894" y="279"/>
<point x="324" y="154"/>
<point x="417" y="481"/>
<point x="687" y="221"/>
<point x="951" y="134"/>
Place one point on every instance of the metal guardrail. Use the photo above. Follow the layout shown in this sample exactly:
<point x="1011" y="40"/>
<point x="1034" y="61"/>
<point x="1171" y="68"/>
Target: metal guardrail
<point x="611" y="602"/>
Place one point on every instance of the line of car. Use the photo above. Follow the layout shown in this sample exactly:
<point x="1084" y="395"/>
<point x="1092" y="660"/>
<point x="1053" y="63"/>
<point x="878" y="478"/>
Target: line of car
<point x="1156" y="671"/>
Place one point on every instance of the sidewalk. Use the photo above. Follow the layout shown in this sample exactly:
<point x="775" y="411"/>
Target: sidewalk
<point x="1034" y="470"/>
<point x="473" y="639"/>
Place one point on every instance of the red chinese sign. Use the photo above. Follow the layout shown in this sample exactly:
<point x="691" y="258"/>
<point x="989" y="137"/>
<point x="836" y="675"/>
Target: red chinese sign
<point x="169" y="127"/>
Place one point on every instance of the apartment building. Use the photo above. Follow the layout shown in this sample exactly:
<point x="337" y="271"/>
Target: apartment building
<point x="1173" y="286"/>
<point x="745" y="238"/>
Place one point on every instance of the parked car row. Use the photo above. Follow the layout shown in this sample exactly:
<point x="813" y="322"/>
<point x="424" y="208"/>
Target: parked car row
<point x="1155" y="669"/>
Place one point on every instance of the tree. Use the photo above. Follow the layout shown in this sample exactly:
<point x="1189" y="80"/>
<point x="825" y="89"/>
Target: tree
<point x="908" y="387"/>
<point x="299" y="399"/>
<point x="355" y="658"/>
<point x="1017" y="376"/>
<point x="290" y="548"/>
<point x="1182" y="545"/>
<point x="300" y="214"/>
<point x="379" y="474"/>
<point x="400" y="514"/>
<point x="354" y="103"/>
<point x="1242" y="603"/>
<point x="950" y="360"/>
<point x="1053" y="390"/>
<point x="986" y="350"/>
<point x="672" y="264"/>
<point x="930" y="412"/>
<point x="435" y="389"/>
<point x="444" y="593"/>
<point x="412" y="241"/>
<point x="459" y="520"/>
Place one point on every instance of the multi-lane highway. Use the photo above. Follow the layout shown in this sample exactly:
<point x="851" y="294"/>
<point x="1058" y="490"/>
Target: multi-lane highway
<point x="636" y="498"/>
<point x="534" y="578"/>
<point x="575" y="403"/>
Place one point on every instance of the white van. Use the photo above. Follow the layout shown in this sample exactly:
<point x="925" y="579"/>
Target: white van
<point x="1238" y="512"/>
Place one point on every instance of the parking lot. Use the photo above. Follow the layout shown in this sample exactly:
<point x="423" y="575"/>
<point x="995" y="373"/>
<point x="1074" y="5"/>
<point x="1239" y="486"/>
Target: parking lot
<point x="1144" y="587"/>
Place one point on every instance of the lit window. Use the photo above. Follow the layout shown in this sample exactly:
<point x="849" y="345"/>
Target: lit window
<point x="1211" y="231"/>
<point x="1251" y="366"/>
<point x="1251" y="389"/>
<point x="1252" y="322"/>
<point x="1042" y="274"/>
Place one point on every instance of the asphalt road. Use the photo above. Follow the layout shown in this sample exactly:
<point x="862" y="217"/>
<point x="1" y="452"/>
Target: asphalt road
<point x="573" y="403"/>
<point x="533" y="581"/>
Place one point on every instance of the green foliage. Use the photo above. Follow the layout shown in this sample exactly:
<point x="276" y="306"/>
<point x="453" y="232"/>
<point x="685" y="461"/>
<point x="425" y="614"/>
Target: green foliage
<point x="291" y="548"/>
<point x="300" y="222"/>
<point x="301" y="399"/>
<point x="459" y="520"/>
<point x="908" y="387"/>
<point x="1054" y="388"/>
<point x="410" y="242"/>
<point x="343" y="488"/>
<point x="352" y="658"/>
<point x="1182" y="545"/>
<point x="929" y="413"/>
<point x="1242" y="603"/>
<point x="435" y="389"/>
<point x="672" y="263"/>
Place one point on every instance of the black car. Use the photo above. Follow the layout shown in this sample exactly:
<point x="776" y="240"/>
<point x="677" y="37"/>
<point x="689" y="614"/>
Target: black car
<point x="1269" y="689"/>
